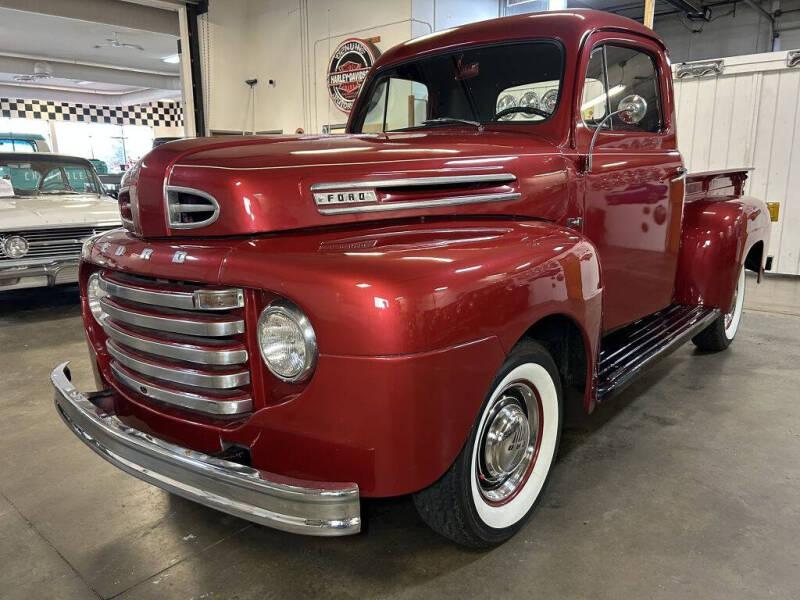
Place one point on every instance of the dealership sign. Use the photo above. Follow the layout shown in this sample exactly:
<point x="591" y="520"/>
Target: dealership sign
<point x="347" y="70"/>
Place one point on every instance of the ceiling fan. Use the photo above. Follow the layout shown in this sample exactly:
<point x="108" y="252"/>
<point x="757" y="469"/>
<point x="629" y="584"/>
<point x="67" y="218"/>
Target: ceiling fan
<point x="115" y="43"/>
<point x="41" y="70"/>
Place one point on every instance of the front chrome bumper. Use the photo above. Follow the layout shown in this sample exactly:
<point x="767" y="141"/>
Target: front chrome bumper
<point x="38" y="273"/>
<point x="298" y="506"/>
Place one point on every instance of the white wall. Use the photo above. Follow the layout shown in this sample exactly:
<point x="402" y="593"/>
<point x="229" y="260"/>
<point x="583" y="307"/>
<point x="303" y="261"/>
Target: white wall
<point x="224" y="50"/>
<point x="730" y="33"/>
<point x="290" y="42"/>
<point x="748" y="117"/>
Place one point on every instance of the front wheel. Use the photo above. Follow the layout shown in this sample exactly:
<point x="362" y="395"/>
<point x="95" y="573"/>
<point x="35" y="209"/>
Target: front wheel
<point x="498" y="477"/>
<point x="721" y="332"/>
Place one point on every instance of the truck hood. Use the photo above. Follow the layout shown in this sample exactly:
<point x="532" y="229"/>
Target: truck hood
<point x="20" y="214"/>
<point x="264" y="184"/>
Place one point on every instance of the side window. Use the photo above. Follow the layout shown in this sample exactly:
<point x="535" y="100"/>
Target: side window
<point x="406" y="105"/>
<point x="593" y="100"/>
<point x="613" y="73"/>
<point x="633" y="72"/>
<point x="373" y="122"/>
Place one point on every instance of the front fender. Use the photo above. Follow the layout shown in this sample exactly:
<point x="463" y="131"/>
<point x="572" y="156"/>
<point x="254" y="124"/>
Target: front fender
<point x="419" y="287"/>
<point x="413" y="322"/>
<point x="717" y="235"/>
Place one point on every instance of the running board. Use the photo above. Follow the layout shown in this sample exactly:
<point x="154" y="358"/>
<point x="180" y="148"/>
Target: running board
<point x="626" y="352"/>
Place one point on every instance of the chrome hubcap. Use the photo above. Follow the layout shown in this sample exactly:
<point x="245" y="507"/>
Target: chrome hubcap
<point x="508" y="442"/>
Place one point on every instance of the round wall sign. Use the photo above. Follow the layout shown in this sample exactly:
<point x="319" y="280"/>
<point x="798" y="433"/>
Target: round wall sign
<point x="347" y="69"/>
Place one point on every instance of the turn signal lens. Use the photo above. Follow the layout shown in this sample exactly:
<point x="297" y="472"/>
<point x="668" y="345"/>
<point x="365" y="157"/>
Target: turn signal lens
<point x="287" y="341"/>
<point x="218" y="299"/>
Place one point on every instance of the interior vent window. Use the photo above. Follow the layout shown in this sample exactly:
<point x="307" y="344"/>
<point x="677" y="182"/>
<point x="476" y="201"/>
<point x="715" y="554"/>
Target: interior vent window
<point x="189" y="209"/>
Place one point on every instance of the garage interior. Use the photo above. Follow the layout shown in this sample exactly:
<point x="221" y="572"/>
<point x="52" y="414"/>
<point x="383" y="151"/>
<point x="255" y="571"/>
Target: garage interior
<point x="685" y="485"/>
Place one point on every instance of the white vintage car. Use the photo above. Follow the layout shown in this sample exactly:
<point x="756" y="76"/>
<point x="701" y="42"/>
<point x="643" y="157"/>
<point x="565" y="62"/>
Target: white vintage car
<point x="49" y="204"/>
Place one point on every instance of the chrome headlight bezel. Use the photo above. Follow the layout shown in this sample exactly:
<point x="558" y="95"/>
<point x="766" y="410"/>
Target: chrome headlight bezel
<point x="290" y="311"/>
<point x="15" y="242"/>
<point x="93" y="295"/>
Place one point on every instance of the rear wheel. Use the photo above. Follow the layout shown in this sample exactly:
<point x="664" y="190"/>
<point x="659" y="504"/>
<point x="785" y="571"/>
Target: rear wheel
<point x="721" y="332"/>
<point x="498" y="477"/>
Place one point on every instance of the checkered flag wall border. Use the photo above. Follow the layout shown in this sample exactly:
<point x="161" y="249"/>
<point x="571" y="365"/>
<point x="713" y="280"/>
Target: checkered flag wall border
<point x="163" y="114"/>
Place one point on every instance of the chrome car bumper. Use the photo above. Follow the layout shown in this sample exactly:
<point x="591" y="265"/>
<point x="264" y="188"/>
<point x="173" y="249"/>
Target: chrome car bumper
<point x="312" y="508"/>
<point x="46" y="272"/>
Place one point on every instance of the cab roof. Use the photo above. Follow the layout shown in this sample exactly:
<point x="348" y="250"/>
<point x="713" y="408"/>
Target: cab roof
<point x="44" y="157"/>
<point x="570" y="26"/>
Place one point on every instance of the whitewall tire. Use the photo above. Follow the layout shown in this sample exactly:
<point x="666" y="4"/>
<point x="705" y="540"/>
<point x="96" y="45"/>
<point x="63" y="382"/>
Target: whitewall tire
<point x="721" y="332"/>
<point x="496" y="481"/>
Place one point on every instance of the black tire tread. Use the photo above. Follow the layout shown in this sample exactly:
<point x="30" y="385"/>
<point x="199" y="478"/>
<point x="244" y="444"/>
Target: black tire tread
<point x="713" y="338"/>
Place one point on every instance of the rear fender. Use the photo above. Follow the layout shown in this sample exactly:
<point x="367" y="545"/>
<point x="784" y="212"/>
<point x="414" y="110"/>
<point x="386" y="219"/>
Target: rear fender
<point x="717" y="236"/>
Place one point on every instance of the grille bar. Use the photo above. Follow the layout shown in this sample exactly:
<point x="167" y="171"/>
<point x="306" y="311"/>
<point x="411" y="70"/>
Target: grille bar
<point x="176" y="374"/>
<point x="183" y="399"/>
<point x="54" y="243"/>
<point x="190" y="325"/>
<point x="221" y="299"/>
<point x="175" y="350"/>
<point x="177" y="343"/>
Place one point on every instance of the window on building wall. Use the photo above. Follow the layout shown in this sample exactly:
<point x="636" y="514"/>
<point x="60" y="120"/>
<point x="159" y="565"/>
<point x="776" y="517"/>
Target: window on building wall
<point x="23" y="126"/>
<point x="118" y="146"/>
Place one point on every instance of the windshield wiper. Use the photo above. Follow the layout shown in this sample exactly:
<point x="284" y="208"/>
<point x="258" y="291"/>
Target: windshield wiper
<point x="445" y="120"/>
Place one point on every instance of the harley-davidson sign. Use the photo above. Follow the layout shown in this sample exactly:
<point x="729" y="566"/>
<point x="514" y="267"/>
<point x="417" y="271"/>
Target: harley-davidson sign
<point x="347" y="69"/>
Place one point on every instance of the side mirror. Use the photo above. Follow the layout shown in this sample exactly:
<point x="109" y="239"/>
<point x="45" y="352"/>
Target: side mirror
<point x="631" y="110"/>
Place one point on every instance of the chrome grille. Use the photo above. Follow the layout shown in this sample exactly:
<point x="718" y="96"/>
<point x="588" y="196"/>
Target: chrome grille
<point x="178" y="344"/>
<point x="44" y="243"/>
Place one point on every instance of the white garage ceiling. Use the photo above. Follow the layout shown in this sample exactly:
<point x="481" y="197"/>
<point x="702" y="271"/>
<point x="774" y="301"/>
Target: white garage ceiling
<point x="64" y="34"/>
<point x="70" y="39"/>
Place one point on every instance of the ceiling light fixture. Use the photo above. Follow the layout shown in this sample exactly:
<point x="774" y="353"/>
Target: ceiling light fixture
<point x="41" y="70"/>
<point x="115" y="43"/>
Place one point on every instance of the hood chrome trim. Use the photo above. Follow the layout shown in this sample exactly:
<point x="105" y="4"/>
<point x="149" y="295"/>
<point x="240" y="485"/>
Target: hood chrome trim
<point x="432" y="203"/>
<point x="415" y="182"/>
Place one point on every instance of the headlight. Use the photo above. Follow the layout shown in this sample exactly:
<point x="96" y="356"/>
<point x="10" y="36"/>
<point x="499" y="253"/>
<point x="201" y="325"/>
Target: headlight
<point x="15" y="246"/>
<point x="287" y="341"/>
<point x="93" y="295"/>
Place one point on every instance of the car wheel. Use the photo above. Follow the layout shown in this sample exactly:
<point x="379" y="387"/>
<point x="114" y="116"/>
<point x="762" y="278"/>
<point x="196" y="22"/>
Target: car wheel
<point x="497" y="479"/>
<point x="721" y="332"/>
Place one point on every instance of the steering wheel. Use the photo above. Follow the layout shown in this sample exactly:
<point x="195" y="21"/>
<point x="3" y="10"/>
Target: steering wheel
<point x="529" y="110"/>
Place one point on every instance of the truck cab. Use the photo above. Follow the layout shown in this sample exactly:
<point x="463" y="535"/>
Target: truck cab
<point x="289" y="324"/>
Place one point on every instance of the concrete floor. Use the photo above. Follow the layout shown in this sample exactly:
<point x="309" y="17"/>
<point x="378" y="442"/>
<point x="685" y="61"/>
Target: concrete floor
<point x="684" y="486"/>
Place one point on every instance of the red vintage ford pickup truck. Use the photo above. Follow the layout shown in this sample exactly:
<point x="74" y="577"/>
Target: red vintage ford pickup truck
<point x="289" y="324"/>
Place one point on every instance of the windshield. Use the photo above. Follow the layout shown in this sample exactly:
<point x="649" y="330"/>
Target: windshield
<point x="493" y="84"/>
<point x="23" y="178"/>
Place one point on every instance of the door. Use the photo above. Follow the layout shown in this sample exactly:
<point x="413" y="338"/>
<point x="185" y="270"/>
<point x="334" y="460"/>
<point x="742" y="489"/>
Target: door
<point x="633" y="195"/>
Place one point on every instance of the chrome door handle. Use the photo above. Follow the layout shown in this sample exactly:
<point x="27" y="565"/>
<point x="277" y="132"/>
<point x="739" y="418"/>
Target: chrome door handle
<point x="682" y="173"/>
